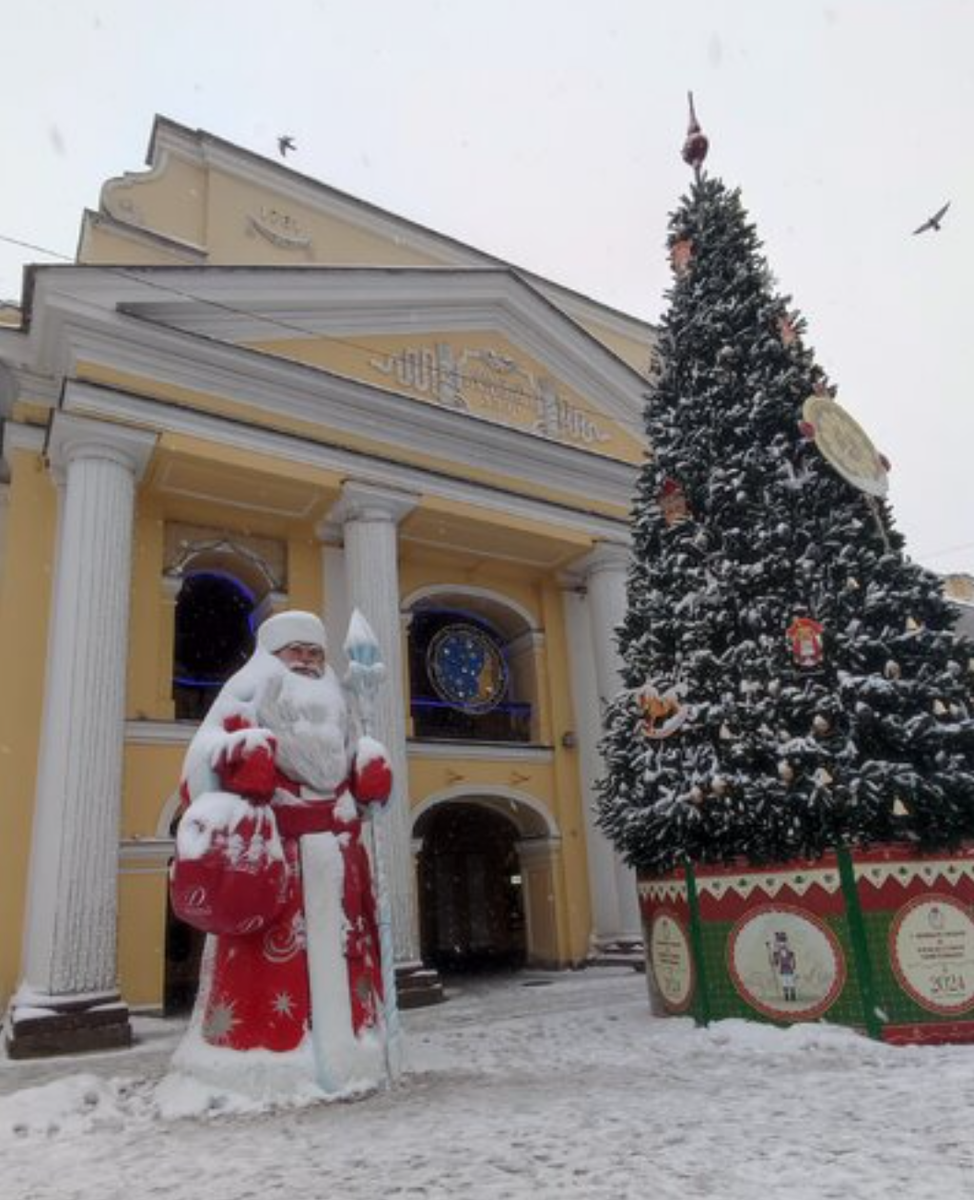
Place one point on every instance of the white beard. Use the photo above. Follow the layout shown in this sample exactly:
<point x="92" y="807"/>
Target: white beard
<point x="309" y="718"/>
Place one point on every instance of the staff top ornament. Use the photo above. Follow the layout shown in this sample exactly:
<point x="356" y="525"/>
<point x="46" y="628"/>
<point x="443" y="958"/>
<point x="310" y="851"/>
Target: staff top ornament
<point x="844" y="444"/>
<point x="696" y="145"/>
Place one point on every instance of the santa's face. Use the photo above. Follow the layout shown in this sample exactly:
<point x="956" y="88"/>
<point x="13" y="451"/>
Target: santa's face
<point x="303" y="706"/>
<point x="303" y="658"/>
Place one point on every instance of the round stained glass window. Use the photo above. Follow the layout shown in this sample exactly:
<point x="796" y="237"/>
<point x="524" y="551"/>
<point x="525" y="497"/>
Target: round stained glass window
<point x="466" y="668"/>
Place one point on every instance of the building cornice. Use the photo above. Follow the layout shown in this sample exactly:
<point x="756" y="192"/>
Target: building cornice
<point x="168" y="417"/>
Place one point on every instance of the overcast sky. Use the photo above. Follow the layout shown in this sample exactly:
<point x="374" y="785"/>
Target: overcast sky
<point x="547" y="132"/>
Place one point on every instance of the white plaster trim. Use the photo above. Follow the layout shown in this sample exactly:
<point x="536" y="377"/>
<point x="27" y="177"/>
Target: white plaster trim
<point x="23" y="437"/>
<point x="539" y="849"/>
<point x="491" y="796"/>
<point x="164" y="417"/>
<point x="72" y="437"/>
<point x="447" y="590"/>
<point x="472" y="752"/>
<point x="221" y="306"/>
<point x="159" y="733"/>
<point x="369" y="502"/>
<point x="145" y="856"/>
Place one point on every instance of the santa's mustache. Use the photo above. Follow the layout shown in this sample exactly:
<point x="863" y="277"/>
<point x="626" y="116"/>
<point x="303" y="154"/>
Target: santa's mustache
<point x="308" y="717"/>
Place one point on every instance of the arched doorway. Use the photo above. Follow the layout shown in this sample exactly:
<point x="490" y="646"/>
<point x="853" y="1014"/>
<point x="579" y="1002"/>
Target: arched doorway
<point x="472" y="915"/>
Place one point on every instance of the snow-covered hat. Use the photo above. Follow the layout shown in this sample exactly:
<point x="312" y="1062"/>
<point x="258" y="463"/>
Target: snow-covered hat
<point x="289" y="627"/>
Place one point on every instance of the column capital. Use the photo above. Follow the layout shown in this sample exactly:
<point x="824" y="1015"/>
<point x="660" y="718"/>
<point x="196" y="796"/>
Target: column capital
<point x="72" y="438"/>
<point x="371" y="502"/>
<point x="612" y="557"/>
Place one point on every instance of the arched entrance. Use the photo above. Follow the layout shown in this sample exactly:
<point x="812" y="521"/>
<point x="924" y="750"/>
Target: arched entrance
<point x="484" y="870"/>
<point x="470" y="890"/>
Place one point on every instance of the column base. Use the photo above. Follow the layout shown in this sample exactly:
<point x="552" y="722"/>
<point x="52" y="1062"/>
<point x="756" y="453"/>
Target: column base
<point x="67" y="1027"/>
<point x="418" y="986"/>
<point x="623" y="952"/>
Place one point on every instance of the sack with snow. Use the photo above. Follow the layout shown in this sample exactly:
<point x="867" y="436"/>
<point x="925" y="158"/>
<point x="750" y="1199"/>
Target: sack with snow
<point x="229" y="875"/>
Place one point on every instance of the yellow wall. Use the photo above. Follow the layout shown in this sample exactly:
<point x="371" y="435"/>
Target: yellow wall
<point x="25" y="599"/>
<point x="142" y="889"/>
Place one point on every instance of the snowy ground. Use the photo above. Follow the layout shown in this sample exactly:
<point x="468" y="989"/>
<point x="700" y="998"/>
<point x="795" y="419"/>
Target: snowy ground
<point x="515" y="1089"/>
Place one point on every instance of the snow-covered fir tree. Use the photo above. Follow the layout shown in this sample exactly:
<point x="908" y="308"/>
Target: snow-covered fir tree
<point x="739" y="733"/>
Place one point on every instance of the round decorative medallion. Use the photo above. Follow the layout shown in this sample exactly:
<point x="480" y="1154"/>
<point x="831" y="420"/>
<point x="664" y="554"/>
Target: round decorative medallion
<point x="785" y="962"/>
<point x="931" y="947"/>
<point x="846" y="445"/>
<point x="672" y="962"/>
<point x="466" y="668"/>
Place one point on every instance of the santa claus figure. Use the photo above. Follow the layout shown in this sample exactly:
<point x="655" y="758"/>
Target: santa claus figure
<point x="271" y="862"/>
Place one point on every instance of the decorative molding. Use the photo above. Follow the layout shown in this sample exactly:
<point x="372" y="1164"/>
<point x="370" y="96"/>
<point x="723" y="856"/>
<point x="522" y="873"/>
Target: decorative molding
<point x="661" y="891"/>
<point x="279" y="228"/>
<point x="370" y="503"/>
<point x="876" y="874"/>
<point x="23" y="437"/>
<point x="479" y="752"/>
<point x="72" y="438"/>
<point x="484" y="596"/>
<point x="159" y="733"/>
<point x="523" y="809"/>
<point x="770" y="882"/>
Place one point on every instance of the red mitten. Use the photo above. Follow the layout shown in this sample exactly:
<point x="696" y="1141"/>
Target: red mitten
<point x="371" y="778"/>
<point x="245" y="763"/>
<point x="229" y="874"/>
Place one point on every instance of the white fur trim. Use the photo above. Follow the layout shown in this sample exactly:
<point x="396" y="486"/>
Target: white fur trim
<point x="288" y="627"/>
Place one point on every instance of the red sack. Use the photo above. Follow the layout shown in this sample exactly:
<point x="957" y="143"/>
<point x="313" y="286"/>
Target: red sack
<point x="229" y="875"/>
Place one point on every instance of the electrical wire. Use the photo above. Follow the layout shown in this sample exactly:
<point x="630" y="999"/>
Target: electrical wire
<point x="132" y="275"/>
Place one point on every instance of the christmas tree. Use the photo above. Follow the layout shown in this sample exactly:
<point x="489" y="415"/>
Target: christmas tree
<point x="792" y="681"/>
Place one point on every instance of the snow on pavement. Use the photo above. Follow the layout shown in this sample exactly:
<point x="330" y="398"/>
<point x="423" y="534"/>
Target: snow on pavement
<point x="530" y="1086"/>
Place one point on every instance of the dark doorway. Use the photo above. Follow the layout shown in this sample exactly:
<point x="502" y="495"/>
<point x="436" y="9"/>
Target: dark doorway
<point x="184" y="951"/>
<point x="471" y="903"/>
<point x="214" y="638"/>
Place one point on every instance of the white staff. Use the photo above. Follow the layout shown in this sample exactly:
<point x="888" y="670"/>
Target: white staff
<point x="366" y="673"/>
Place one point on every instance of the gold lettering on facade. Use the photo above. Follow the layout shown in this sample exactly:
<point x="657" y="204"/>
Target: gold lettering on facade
<point x="490" y="384"/>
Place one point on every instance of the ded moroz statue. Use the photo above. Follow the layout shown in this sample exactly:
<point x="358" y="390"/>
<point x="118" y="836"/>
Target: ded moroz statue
<point x="270" y="862"/>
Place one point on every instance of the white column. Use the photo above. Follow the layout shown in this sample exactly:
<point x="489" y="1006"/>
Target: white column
<point x="70" y="934"/>
<point x="614" y="897"/>
<point x="369" y="516"/>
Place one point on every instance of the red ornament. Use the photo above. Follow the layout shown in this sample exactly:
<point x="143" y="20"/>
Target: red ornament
<point x="696" y="146"/>
<point x="807" y="430"/>
<point x="805" y="635"/>
<point x="673" y="502"/>
<point x="787" y="331"/>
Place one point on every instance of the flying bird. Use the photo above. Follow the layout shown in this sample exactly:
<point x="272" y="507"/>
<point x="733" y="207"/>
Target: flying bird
<point x="285" y="143"/>
<point x="934" y="221"/>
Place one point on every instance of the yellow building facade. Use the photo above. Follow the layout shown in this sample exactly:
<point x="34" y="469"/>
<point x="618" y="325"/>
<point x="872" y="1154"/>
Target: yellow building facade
<point x="253" y="393"/>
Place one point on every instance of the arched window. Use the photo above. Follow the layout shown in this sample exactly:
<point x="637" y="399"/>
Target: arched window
<point x="214" y="637"/>
<point x="462" y="684"/>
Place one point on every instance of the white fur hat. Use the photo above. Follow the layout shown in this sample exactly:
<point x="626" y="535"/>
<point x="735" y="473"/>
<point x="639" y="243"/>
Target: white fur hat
<point x="288" y="627"/>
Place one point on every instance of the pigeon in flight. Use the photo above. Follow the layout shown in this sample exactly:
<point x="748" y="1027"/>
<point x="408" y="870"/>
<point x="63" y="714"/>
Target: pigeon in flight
<point x="934" y="221"/>
<point x="285" y="143"/>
